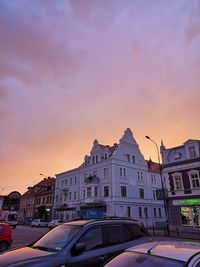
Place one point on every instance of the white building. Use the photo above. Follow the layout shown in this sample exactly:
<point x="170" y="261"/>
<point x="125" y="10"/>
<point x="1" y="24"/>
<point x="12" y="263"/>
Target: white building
<point x="113" y="181"/>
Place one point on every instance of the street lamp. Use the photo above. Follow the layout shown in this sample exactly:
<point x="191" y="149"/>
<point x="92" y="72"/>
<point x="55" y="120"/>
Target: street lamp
<point x="162" y="185"/>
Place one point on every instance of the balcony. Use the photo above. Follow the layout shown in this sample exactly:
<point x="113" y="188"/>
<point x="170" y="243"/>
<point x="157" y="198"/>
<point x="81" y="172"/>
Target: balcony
<point x="92" y="179"/>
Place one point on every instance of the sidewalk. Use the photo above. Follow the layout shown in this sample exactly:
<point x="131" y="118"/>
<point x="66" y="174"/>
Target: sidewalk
<point x="176" y="234"/>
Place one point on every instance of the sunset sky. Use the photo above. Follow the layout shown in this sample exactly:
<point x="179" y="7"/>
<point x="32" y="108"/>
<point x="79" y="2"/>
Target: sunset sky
<point x="79" y="70"/>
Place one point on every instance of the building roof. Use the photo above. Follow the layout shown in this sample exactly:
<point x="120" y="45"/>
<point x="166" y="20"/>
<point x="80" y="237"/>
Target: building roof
<point x="46" y="182"/>
<point x="153" y="166"/>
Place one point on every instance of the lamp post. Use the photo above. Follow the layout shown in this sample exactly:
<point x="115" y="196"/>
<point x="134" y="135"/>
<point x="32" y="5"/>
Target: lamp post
<point x="162" y="185"/>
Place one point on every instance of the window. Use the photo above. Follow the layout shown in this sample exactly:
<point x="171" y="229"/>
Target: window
<point x="1" y="229"/>
<point x="89" y="192"/>
<point x="106" y="191"/>
<point x="129" y="211"/>
<point x="120" y="172"/>
<point x="177" y="181"/>
<point x="92" y="238"/>
<point x="127" y="157"/>
<point x="95" y="173"/>
<point x="65" y="182"/>
<point x="154" y="194"/>
<point x="194" y="178"/>
<point x="192" y="152"/>
<point x="105" y="156"/>
<point x="159" y="212"/>
<point x="70" y="181"/>
<point x="75" y="180"/>
<point x="123" y="191"/>
<point x="138" y="175"/>
<point x="146" y="212"/>
<point x="115" y="234"/>
<point x="186" y="217"/>
<point x="140" y="211"/>
<point x="133" y="159"/>
<point x="105" y="172"/>
<point x="75" y="195"/>
<point x="141" y="192"/>
<point x="136" y="230"/>
<point x="96" y="191"/>
<point x="96" y="158"/>
<point x="154" y="211"/>
<point x="84" y="193"/>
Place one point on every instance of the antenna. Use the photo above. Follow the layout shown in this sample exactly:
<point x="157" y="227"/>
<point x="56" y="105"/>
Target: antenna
<point x="149" y="250"/>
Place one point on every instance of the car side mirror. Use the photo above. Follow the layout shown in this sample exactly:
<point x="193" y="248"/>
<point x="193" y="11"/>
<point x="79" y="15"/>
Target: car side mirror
<point x="78" y="248"/>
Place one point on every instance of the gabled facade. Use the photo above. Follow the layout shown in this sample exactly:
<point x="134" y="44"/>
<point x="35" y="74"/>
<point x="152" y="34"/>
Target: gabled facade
<point x="37" y="202"/>
<point x="181" y="175"/>
<point x="112" y="181"/>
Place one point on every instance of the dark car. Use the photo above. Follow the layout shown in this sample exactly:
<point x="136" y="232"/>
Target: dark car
<point x="79" y="243"/>
<point x="166" y="253"/>
<point x="5" y="237"/>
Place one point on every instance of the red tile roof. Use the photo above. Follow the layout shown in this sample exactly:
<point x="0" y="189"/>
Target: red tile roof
<point x="46" y="182"/>
<point x="153" y="166"/>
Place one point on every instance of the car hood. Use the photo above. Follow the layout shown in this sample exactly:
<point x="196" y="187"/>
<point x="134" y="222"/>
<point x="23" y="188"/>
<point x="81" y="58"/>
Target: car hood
<point x="22" y="255"/>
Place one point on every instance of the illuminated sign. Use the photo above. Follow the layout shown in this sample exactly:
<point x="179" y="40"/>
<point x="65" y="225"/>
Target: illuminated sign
<point x="192" y="201"/>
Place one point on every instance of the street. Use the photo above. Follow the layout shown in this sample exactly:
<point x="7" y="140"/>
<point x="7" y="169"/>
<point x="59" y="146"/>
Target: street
<point x="24" y="235"/>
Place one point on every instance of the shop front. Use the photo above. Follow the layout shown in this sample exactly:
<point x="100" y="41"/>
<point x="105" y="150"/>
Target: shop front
<point x="189" y="212"/>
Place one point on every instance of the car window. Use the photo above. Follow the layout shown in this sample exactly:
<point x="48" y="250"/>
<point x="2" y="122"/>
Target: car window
<point x="115" y="234"/>
<point x="92" y="238"/>
<point x="1" y="229"/>
<point x="130" y="259"/>
<point x="136" y="230"/>
<point x="57" y="238"/>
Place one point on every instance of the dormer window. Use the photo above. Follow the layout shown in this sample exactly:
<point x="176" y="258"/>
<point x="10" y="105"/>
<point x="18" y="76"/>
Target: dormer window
<point x="105" y="156"/>
<point x="192" y="152"/>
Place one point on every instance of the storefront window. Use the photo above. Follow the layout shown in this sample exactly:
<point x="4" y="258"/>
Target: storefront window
<point x="191" y="216"/>
<point x="186" y="217"/>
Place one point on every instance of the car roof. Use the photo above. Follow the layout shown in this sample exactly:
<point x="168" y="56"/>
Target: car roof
<point x="104" y="220"/>
<point x="174" y="249"/>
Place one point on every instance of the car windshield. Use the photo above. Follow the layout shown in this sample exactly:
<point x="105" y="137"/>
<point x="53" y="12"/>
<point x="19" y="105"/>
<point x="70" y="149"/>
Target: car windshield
<point x="57" y="238"/>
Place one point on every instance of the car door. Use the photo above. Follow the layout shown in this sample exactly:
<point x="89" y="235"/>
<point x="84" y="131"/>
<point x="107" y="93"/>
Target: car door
<point x="94" y="252"/>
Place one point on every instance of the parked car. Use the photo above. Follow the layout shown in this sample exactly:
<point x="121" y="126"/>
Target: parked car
<point x="5" y="237"/>
<point x="79" y="243"/>
<point x="39" y="223"/>
<point x="12" y="220"/>
<point x="54" y="223"/>
<point x="169" y="253"/>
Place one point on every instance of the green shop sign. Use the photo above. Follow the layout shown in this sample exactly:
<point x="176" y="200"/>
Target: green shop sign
<point x="192" y="201"/>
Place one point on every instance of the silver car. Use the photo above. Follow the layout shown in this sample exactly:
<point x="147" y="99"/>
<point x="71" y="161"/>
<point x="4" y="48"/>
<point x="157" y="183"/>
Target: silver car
<point x="166" y="253"/>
